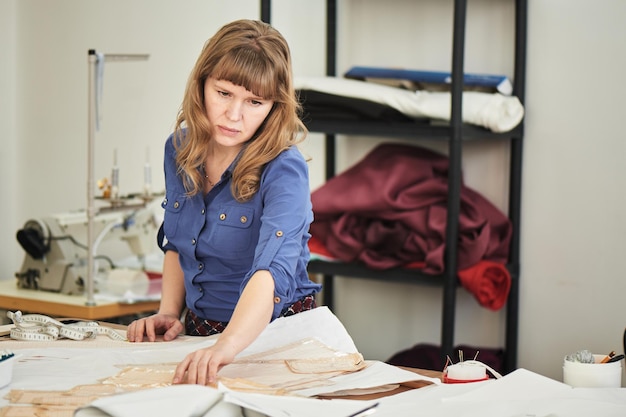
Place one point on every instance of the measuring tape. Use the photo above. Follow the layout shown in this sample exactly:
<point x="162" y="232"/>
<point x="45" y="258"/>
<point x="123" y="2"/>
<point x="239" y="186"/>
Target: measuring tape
<point x="37" y="327"/>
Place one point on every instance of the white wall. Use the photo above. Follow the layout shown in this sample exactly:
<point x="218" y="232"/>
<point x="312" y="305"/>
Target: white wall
<point x="572" y="228"/>
<point x="8" y="155"/>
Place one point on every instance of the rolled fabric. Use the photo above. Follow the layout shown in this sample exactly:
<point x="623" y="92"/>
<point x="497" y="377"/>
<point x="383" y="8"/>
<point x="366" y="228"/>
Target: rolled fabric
<point x="489" y="282"/>
<point x="493" y="111"/>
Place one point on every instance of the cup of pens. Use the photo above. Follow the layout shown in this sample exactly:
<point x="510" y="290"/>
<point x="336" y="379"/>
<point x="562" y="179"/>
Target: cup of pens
<point x="585" y="369"/>
<point x="6" y="367"/>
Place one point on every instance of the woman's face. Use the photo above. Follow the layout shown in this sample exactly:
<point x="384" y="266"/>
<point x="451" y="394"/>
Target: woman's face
<point x="234" y="112"/>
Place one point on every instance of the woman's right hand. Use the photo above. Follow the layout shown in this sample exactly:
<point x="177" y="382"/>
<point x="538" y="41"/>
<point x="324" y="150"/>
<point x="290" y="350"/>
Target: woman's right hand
<point x="169" y="326"/>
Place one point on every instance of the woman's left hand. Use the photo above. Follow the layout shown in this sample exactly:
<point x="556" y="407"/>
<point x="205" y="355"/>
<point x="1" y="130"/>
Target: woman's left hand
<point x="201" y="367"/>
<point x="252" y="313"/>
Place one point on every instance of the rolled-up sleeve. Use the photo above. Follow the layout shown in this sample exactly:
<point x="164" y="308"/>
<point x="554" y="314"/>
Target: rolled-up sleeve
<point x="285" y="220"/>
<point x="173" y="200"/>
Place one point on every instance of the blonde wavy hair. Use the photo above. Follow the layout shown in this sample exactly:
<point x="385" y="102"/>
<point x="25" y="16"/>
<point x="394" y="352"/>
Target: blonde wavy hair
<point x="254" y="55"/>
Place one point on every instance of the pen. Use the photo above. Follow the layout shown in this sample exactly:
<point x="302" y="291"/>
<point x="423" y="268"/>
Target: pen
<point x="608" y="357"/>
<point x="366" y="411"/>
<point x="616" y="358"/>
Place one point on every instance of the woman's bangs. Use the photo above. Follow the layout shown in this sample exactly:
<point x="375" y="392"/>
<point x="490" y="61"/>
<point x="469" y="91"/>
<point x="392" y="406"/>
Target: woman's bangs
<point x="249" y="70"/>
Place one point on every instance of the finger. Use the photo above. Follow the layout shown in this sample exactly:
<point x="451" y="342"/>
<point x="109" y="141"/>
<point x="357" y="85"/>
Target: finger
<point x="213" y="368"/>
<point x="149" y="330"/>
<point x="201" y="369"/>
<point x="129" y="332"/>
<point x="135" y="331"/>
<point x="192" y="370"/>
<point x="173" y="332"/>
<point x="179" y="373"/>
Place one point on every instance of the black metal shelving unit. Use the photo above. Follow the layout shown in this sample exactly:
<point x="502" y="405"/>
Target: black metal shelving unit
<point x="455" y="133"/>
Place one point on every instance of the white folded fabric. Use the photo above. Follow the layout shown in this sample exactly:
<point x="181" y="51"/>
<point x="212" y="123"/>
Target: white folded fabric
<point x="174" y="400"/>
<point x="493" y="111"/>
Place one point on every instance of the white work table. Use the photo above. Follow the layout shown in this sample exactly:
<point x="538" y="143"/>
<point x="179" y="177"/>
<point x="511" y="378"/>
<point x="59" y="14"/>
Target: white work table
<point x="66" y="365"/>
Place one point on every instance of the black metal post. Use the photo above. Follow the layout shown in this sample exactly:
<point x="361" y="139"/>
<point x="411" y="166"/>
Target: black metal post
<point x="515" y="191"/>
<point x="266" y="11"/>
<point x="454" y="181"/>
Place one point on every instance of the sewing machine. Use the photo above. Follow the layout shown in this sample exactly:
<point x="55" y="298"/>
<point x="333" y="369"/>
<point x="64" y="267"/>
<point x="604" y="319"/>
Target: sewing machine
<point x="56" y="246"/>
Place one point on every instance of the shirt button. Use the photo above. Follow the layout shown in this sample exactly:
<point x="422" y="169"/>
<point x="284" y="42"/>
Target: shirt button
<point x="176" y="204"/>
<point x="276" y="300"/>
<point x="279" y="233"/>
<point x="222" y="216"/>
<point x="200" y="267"/>
<point x="202" y="211"/>
<point x="200" y="290"/>
<point x="164" y="201"/>
<point x="193" y="241"/>
<point x="243" y="219"/>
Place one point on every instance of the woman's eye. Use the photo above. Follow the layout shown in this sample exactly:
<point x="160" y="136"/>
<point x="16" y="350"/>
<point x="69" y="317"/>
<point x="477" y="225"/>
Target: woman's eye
<point x="223" y="93"/>
<point x="256" y="102"/>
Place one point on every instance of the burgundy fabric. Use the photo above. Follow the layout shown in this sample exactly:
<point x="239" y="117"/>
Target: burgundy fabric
<point x="426" y="356"/>
<point x="390" y="209"/>
<point x="488" y="281"/>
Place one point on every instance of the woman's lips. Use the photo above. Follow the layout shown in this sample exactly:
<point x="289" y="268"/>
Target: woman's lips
<point x="228" y="131"/>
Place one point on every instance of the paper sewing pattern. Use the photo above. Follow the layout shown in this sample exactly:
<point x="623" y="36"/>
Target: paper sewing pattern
<point x="28" y="403"/>
<point x="315" y="364"/>
<point x="280" y="371"/>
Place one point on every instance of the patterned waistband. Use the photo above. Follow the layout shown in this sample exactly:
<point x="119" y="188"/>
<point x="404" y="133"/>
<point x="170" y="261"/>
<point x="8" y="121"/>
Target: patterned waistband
<point x="197" y="326"/>
<point x="303" y="304"/>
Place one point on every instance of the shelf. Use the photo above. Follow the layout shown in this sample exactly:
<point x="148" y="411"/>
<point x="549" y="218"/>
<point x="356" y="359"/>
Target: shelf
<point x="412" y="276"/>
<point x="416" y="130"/>
<point x="401" y="275"/>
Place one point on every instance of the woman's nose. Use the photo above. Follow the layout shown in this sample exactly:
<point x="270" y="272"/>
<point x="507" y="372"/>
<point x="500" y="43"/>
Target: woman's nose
<point x="234" y="110"/>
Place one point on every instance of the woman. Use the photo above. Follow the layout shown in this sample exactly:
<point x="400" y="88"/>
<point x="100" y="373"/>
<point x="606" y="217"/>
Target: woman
<point x="237" y="203"/>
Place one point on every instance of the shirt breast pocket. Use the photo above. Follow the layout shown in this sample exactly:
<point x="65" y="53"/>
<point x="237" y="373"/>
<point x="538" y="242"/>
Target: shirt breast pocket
<point x="234" y="234"/>
<point x="173" y="205"/>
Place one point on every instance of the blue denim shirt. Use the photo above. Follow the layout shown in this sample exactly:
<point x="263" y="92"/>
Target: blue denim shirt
<point x="221" y="242"/>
